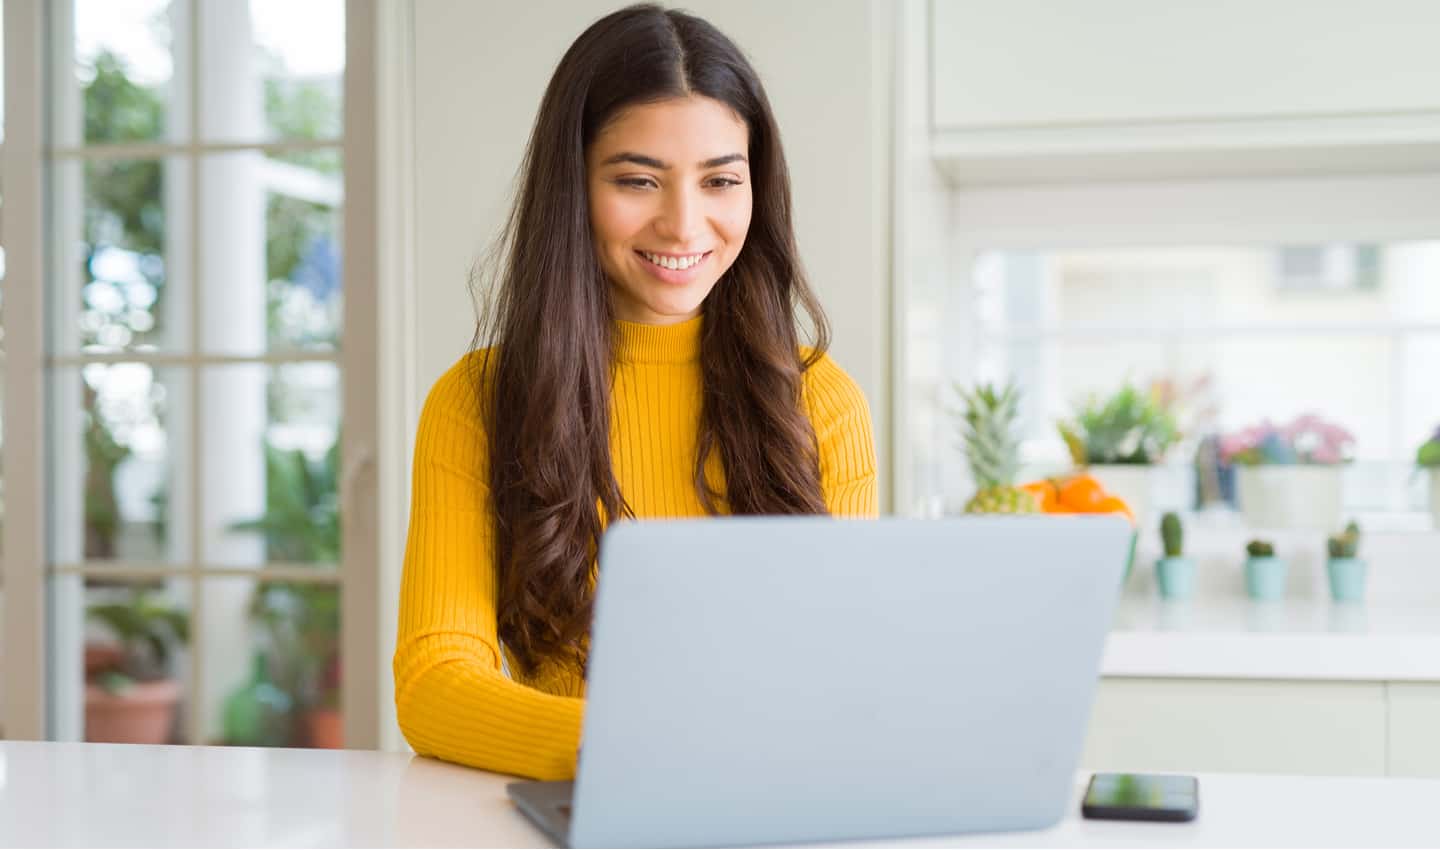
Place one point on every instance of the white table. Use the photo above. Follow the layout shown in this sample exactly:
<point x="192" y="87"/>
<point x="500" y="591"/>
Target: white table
<point x="107" y="795"/>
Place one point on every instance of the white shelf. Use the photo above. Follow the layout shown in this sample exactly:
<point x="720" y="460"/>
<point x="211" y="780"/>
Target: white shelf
<point x="1302" y="640"/>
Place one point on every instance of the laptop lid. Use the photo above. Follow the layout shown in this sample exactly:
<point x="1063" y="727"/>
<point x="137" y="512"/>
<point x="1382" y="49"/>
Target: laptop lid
<point x="801" y="679"/>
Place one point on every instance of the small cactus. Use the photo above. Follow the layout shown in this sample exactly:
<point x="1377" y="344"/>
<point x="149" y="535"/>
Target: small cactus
<point x="1260" y="549"/>
<point x="1347" y="543"/>
<point x="1172" y="535"/>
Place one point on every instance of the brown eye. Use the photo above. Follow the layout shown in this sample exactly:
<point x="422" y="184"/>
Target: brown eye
<point x="636" y="182"/>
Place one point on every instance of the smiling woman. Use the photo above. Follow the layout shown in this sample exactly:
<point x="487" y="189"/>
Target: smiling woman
<point x="642" y="360"/>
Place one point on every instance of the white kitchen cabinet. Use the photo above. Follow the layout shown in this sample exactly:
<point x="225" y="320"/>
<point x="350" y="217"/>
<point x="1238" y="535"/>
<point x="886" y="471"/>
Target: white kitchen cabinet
<point x="1414" y="729"/>
<point x="1019" y="62"/>
<point x="1200" y="725"/>
<point x="1033" y="90"/>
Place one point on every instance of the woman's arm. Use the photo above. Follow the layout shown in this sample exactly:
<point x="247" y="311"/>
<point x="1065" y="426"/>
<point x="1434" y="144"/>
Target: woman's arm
<point x="840" y="416"/>
<point x="452" y="699"/>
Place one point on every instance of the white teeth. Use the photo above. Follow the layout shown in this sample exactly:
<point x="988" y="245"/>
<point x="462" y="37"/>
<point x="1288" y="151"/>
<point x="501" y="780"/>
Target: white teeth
<point x="673" y="263"/>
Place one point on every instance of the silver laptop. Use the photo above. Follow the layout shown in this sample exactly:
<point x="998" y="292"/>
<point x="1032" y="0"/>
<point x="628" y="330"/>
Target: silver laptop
<point x="769" y="680"/>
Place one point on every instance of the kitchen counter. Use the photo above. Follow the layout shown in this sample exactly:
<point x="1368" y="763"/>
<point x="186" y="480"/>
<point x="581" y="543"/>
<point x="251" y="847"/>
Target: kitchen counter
<point x="1297" y="639"/>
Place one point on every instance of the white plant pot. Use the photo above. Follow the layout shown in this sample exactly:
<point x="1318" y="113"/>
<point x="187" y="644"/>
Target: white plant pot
<point x="1135" y="483"/>
<point x="1148" y="490"/>
<point x="1435" y="496"/>
<point x="1307" y="497"/>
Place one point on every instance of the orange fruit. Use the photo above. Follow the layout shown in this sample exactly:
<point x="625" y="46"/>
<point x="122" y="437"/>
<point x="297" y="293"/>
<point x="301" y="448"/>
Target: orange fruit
<point x="1045" y="493"/>
<point x="1081" y="494"/>
<point x="1115" y="505"/>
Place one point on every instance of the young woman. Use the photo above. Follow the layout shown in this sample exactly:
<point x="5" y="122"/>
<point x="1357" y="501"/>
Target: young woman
<point x="645" y="363"/>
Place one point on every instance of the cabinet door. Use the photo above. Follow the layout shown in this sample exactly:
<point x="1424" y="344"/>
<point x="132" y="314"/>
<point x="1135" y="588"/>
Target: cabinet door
<point x="1414" y="729"/>
<point x="1200" y="725"/>
<point x="999" y="63"/>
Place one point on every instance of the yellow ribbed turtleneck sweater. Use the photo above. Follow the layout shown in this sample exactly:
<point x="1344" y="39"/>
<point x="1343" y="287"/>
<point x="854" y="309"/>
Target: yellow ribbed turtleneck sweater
<point x="453" y="698"/>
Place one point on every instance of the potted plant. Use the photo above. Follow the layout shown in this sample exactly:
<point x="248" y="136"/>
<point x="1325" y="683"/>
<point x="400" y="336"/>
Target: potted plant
<point x="300" y="621"/>
<point x="1118" y="439"/>
<point x="130" y="696"/>
<point x="259" y="713"/>
<point x="1344" y="566"/>
<point x="1427" y="457"/>
<point x="1264" y="571"/>
<point x="302" y="626"/>
<point x="1174" y="571"/>
<point x="1289" y="476"/>
<point x="324" y="724"/>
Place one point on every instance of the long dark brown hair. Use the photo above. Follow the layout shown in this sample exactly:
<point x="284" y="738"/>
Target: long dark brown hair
<point x="545" y="379"/>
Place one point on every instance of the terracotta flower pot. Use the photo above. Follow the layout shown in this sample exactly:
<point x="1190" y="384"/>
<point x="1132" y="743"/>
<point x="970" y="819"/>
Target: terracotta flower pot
<point x="325" y="728"/>
<point x="142" y="714"/>
<point x="100" y="657"/>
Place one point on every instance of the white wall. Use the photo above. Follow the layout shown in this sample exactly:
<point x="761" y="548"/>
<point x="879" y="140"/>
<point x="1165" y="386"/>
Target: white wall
<point x="480" y="69"/>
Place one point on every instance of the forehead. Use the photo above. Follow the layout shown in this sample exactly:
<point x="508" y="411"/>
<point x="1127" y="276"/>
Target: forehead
<point x="679" y="130"/>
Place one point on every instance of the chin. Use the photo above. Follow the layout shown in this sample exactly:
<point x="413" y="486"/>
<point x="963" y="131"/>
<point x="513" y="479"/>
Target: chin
<point x="675" y="305"/>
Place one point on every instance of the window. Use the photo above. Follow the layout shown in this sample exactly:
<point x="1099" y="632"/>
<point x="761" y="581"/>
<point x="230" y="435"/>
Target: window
<point x="1234" y="340"/>
<point x="194" y="303"/>
<point x="1328" y="267"/>
<point x="1256" y="298"/>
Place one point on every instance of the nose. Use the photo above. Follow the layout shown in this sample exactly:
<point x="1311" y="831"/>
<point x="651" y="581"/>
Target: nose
<point x="681" y="216"/>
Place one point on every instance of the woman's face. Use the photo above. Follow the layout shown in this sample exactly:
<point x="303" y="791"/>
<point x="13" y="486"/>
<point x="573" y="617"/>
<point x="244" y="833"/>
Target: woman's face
<point x="669" y="205"/>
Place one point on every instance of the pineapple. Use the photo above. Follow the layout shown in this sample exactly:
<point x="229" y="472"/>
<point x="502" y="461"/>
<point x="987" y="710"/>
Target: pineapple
<point x="993" y="448"/>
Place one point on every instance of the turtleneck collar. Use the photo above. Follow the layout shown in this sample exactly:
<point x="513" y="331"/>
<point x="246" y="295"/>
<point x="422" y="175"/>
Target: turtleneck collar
<point x="677" y="343"/>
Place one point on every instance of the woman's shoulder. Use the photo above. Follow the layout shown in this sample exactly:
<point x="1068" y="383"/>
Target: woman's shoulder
<point x="455" y="395"/>
<point x="830" y="393"/>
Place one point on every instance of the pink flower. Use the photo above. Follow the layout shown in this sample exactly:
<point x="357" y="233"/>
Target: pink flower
<point x="1306" y="439"/>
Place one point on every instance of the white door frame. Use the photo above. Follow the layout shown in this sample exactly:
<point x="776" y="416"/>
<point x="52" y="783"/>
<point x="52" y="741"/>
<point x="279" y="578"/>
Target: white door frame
<point x="397" y="369"/>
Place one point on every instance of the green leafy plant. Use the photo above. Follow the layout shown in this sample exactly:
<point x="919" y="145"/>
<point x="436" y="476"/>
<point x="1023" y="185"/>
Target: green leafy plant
<point x="146" y="627"/>
<point x="1346" y="544"/>
<point x="301" y="522"/>
<point x="1428" y="455"/>
<point x="103" y="455"/>
<point x="1260" y="549"/>
<point x="1129" y="427"/>
<point x="300" y="620"/>
<point x="1172" y="535"/>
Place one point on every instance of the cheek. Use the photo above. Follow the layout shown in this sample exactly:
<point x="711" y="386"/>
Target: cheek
<point x="615" y="220"/>
<point x="735" y="223"/>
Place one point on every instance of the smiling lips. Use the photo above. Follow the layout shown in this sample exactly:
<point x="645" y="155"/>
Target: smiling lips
<point x="674" y="268"/>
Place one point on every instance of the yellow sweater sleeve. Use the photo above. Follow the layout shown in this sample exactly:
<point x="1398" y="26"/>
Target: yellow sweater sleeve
<point x="452" y="698"/>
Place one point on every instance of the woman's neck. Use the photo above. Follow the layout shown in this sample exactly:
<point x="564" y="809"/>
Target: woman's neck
<point x="641" y="343"/>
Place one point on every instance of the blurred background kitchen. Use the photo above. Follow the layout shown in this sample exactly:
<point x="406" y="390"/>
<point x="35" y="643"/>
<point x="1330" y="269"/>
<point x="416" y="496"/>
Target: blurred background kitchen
<point x="1203" y="240"/>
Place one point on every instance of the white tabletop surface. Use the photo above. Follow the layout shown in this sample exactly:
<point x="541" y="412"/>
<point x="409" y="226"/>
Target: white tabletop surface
<point x="125" y="795"/>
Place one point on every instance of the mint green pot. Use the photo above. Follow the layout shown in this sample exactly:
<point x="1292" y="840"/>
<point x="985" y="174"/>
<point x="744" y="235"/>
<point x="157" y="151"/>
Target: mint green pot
<point x="1265" y="578"/>
<point x="1347" y="579"/>
<point x="1176" y="577"/>
<point x="1129" y="560"/>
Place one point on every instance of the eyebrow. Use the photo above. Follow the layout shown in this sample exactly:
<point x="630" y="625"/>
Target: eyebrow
<point x="652" y="162"/>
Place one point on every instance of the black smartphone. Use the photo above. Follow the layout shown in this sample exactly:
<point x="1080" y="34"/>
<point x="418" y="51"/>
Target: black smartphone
<point x="1141" y="796"/>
